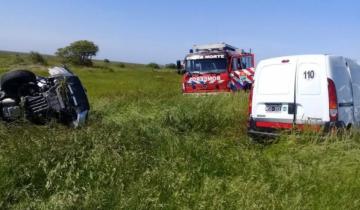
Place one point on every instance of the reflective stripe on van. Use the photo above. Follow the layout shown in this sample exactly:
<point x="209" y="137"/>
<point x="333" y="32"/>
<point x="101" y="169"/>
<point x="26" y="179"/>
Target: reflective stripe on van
<point x="280" y="125"/>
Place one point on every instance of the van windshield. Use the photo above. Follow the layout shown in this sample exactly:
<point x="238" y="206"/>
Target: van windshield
<point x="206" y="65"/>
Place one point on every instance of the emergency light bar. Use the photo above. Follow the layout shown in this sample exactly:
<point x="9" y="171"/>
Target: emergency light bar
<point x="214" y="47"/>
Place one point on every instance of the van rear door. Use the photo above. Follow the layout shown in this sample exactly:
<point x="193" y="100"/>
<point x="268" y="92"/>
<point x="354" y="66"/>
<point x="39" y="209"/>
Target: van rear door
<point x="274" y="93"/>
<point x="311" y="90"/>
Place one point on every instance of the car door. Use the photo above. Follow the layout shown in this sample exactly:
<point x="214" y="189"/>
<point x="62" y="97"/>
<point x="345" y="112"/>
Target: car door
<point x="237" y="80"/>
<point x="242" y="73"/>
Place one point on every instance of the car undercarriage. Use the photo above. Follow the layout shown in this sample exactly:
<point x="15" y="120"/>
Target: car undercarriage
<point x="61" y="96"/>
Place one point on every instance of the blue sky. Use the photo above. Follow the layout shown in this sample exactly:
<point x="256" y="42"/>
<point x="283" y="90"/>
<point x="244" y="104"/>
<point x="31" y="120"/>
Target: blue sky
<point x="162" y="31"/>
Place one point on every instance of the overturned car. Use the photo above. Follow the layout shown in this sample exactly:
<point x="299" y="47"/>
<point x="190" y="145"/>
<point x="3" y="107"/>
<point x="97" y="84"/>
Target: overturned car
<point x="61" y="96"/>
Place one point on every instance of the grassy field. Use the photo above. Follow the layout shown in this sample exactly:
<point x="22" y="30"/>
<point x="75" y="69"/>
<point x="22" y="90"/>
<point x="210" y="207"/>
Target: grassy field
<point x="149" y="147"/>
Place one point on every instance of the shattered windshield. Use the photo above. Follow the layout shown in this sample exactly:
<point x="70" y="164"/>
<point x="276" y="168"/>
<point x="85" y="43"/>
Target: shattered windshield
<point x="206" y="65"/>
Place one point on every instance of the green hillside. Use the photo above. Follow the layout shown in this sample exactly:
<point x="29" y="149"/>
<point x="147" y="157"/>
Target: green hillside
<point x="149" y="147"/>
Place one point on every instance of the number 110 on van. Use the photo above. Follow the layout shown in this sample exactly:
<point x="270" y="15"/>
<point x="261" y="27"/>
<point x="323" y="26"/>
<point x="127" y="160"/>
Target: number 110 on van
<point x="309" y="74"/>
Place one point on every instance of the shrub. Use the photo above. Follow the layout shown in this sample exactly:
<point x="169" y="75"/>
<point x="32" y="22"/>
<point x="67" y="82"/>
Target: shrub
<point x="37" y="58"/>
<point x="171" y="66"/>
<point x="18" y="59"/>
<point x="121" y="65"/>
<point x="153" y="65"/>
<point x="106" y="61"/>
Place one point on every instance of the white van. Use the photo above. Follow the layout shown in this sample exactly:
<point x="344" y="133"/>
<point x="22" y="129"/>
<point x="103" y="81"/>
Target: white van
<point x="317" y="91"/>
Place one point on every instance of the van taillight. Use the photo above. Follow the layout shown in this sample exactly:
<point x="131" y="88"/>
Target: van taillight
<point x="333" y="103"/>
<point x="250" y="100"/>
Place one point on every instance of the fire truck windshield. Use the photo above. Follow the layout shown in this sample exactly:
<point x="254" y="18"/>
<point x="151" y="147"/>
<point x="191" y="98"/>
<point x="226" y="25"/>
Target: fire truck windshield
<point x="206" y="65"/>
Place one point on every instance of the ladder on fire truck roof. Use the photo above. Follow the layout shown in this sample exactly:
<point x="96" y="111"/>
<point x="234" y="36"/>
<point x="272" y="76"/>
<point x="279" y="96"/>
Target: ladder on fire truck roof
<point x="214" y="47"/>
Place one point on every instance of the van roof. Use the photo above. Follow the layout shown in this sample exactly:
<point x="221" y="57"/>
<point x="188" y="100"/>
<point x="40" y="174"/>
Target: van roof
<point x="298" y="56"/>
<point x="276" y="59"/>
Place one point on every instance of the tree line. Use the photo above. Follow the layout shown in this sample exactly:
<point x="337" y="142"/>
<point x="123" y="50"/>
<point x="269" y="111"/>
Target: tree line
<point x="81" y="53"/>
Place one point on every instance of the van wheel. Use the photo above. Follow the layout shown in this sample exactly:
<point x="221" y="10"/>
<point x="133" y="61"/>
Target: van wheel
<point x="13" y="81"/>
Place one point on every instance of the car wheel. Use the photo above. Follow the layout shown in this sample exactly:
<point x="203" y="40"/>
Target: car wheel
<point x="11" y="82"/>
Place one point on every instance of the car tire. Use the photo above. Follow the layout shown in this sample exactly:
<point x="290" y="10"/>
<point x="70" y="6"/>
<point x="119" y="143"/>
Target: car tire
<point x="12" y="81"/>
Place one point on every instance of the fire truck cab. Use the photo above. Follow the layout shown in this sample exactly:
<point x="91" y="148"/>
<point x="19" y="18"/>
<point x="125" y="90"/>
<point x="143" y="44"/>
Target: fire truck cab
<point x="217" y="68"/>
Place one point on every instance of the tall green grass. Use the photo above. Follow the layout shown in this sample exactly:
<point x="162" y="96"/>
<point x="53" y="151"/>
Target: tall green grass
<point x="149" y="147"/>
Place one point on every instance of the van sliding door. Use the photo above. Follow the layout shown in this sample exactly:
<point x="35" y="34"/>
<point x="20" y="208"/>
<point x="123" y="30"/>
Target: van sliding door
<point x="355" y="77"/>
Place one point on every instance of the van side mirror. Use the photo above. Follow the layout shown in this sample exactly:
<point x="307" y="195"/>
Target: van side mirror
<point x="178" y="65"/>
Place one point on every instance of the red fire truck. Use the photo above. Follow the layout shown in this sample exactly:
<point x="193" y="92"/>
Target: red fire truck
<point x="217" y="68"/>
